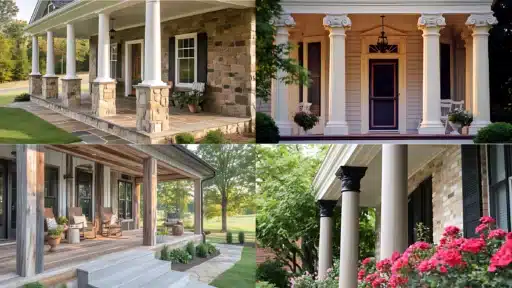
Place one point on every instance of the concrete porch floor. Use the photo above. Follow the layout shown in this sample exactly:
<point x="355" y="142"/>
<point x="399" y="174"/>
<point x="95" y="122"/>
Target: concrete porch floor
<point x="123" y="124"/>
<point x="63" y="262"/>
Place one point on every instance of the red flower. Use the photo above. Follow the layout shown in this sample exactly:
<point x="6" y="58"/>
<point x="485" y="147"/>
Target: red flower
<point x="384" y="265"/>
<point x="395" y="256"/>
<point x="473" y="245"/>
<point x="397" y="280"/>
<point x="370" y="277"/>
<point x="443" y="269"/>
<point x="427" y="265"/>
<point x="450" y="257"/>
<point x="377" y="282"/>
<point x="503" y="256"/>
<point x="451" y="231"/>
<point x="361" y="274"/>
<point x="497" y="233"/>
<point x="366" y="261"/>
<point x="481" y="228"/>
<point x="487" y="220"/>
<point x="399" y="264"/>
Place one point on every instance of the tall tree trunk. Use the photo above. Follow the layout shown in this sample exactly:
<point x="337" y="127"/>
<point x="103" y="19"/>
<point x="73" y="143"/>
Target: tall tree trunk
<point x="224" y="205"/>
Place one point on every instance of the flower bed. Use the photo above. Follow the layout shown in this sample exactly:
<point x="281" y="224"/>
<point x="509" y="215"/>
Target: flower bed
<point x="455" y="262"/>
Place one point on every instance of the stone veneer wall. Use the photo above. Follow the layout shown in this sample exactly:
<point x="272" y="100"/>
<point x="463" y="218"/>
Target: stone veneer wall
<point x="446" y="171"/>
<point x="231" y="65"/>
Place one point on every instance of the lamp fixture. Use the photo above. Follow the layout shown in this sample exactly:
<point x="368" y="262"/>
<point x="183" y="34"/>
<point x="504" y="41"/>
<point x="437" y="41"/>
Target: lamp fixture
<point x="112" y="32"/>
<point x="382" y="42"/>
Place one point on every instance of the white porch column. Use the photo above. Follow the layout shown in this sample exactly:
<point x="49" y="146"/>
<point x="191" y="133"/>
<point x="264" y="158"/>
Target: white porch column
<point x="103" y="49"/>
<point x="280" y="88"/>
<point x="198" y="200"/>
<point x="468" y="44"/>
<point x="153" y="46"/>
<point x="35" y="55"/>
<point x="325" y="243"/>
<point x="70" y="52"/>
<point x="480" y="25"/>
<point x="337" y="26"/>
<point x="393" y="230"/>
<point x="349" y="245"/>
<point x="50" y="56"/>
<point x="431" y="24"/>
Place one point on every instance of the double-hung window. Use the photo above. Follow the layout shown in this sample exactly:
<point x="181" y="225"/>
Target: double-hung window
<point x="186" y="60"/>
<point x="113" y="60"/>
<point x="125" y="200"/>
<point x="51" y="188"/>
<point x="500" y="182"/>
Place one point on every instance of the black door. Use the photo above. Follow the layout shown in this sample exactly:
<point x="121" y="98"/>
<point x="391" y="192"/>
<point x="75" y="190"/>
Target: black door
<point x="420" y="210"/>
<point x="84" y="192"/>
<point x="383" y="94"/>
<point x="315" y="72"/>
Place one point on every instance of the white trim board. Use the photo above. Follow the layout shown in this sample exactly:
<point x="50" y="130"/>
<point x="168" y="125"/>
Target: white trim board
<point x="127" y="64"/>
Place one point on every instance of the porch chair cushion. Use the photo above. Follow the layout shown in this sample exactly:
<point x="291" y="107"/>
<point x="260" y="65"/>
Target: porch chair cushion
<point x="80" y="220"/>
<point x="51" y="223"/>
<point x="113" y="219"/>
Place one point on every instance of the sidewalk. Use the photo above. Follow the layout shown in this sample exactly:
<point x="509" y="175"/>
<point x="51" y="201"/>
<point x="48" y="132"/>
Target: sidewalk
<point x="206" y="272"/>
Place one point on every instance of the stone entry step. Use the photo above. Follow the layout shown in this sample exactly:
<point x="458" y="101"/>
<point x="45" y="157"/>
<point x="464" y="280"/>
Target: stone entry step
<point x="133" y="268"/>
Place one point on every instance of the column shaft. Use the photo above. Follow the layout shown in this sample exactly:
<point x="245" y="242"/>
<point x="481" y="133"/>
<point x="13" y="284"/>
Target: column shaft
<point x="197" y="206"/>
<point x="103" y="49"/>
<point x="149" y="187"/>
<point x="394" y="216"/>
<point x="136" y="206"/>
<point x="431" y="25"/>
<point x="337" y="24"/>
<point x="152" y="45"/>
<point x="70" y="53"/>
<point x="325" y="243"/>
<point x="35" y="55"/>
<point x="50" y="56"/>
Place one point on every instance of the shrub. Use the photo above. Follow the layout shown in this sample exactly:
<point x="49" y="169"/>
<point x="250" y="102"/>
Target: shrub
<point x="494" y="133"/>
<point x="456" y="262"/>
<point x="241" y="237"/>
<point x="56" y="233"/>
<point x="202" y="250"/>
<point x="306" y="120"/>
<point x="164" y="253"/>
<point x="25" y="97"/>
<point x="211" y="248"/>
<point x="191" y="249"/>
<point x="264" y="284"/>
<point x="266" y="129"/>
<point x="179" y="256"/>
<point x="34" y="285"/>
<point x="214" y="137"/>
<point x="207" y="232"/>
<point x="272" y="271"/>
<point x="62" y="220"/>
<point x="185" y="138"/>
<point x="229" y="237"/>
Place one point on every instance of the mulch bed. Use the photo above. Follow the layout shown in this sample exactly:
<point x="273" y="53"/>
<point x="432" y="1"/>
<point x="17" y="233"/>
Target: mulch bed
<point x="194" y="262"/>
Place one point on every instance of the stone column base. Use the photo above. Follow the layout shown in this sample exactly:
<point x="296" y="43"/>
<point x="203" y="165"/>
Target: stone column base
<point x="152" y="108"/>
<point x="50" y="87"/>
<point x="71" y="92"/>
<point x="103" y="98"/>
<point x="35" y="84"/>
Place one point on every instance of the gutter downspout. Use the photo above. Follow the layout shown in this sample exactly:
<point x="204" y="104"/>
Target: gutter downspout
<point x="202" y="204"/>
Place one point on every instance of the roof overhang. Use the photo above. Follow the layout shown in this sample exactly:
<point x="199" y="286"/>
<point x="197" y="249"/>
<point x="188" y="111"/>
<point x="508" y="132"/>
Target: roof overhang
<point x="128" y="14"/>
<point x="386" y="6"/>
<point x="328" y="187"/>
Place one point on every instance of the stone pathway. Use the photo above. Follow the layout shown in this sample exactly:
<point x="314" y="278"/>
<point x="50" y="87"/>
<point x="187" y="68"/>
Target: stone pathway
<point x="206" y="272"/>
<point x="88" y="134"/>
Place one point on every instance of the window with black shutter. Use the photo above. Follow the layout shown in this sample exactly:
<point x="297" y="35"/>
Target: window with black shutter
<point x="445" y="71"/>
<point x="500" y="177"/>
<point x="420" y="210"/>
<point x="471" y="189"/>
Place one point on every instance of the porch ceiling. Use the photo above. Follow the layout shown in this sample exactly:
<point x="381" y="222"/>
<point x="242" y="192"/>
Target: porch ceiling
<point x="371" y="156"/>
<point x="127" y="14"/>
<point x="123" y="158"/>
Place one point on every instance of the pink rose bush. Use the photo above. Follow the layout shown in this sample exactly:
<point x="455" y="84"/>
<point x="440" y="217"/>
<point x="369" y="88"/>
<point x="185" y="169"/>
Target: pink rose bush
<point x="455" y="262"/>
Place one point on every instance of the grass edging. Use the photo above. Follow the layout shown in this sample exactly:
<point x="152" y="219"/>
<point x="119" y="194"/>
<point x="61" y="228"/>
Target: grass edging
<point x="243" y="273"/>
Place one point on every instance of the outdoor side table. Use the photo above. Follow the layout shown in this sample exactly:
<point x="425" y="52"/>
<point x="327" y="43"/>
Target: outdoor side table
<point x="73" y="234"/>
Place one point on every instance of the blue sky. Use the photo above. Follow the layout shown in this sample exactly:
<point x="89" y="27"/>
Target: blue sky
<point x="26" y="8"/>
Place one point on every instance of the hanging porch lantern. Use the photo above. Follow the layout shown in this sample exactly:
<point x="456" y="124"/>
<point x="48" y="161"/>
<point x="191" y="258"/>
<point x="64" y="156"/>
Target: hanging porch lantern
<point x="382" y="42"/>
<point x="112" y="32"/>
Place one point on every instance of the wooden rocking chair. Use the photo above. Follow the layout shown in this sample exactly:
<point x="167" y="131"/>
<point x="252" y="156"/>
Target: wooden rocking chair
<point x="107" y="227"/>
<point x="88" y="228"/>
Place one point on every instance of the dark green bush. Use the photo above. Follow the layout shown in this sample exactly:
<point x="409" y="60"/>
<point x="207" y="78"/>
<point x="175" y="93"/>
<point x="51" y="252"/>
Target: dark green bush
<point x="214" y="137"/>
<point x="241" y="237"/>
<point x="272" y="272"/>
<point x="185" y="138"/>
<point x="202" y="250"/>
<point x="495" y="133"/>
<point x="164" y="253"/>
<point x="179" y="256"/>
<point x="266" y="129"/>
<point x="229" y="237"/>
<point x="191" y="249"/>
<point x="211" y="248"/>
<point x="306" y="120"/>
<point x="34" y="285"/>
<point x="25" y="97"/>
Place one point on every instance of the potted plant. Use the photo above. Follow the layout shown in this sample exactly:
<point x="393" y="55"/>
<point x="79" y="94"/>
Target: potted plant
<point x="306" y="120"/>
<point x="63" y="221"/>
<point x="54" y="237"/>
<point x="160" y="235"/>
<point x="458" y="119"/>
<point x="193" y="99"/>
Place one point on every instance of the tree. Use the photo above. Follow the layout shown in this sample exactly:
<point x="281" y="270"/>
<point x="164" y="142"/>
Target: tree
<point x="271" y="57"/>
<point x="235" y="175"/>
<point x="14" y="30"/>
<point x="8" y="10"/>
<point x="6" y="63"/>
<point x="174" y="195"/>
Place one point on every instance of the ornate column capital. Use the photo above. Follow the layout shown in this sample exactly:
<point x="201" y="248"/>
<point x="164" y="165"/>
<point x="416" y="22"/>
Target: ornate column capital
<point x="327" y="207"/>
<point x="337" y="21"/>
<point x="285" y="20"/>
<point x="431" y="21"/>
<point x="481" y="20"/>
<point x="350" y="177"/>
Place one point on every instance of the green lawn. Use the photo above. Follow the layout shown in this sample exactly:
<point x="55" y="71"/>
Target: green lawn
<point x="235" y="223"/>
<point x="8" y="98"/>
<point x="242" y="274"/>
<point x="20" y="127"/>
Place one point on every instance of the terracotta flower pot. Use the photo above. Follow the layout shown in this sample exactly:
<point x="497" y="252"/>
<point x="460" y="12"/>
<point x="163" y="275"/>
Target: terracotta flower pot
<point x="177" y="230"/>
<point x="192" y="108"/>
<point x="53" y="242"/>
<point x="455" y="128"/>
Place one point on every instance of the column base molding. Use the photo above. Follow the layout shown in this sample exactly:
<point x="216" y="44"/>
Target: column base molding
<point x="475" y="126"/>
<point x="285" y="128"/>
<point x="103" y="96"/>
<point x="71" y="92"/>
<point x="335" y="128"/>
<point x="35" y="84"/>
<point x="152" y="108"/>
<point x="50" y="87"/>
<point x="432" y="128"/>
